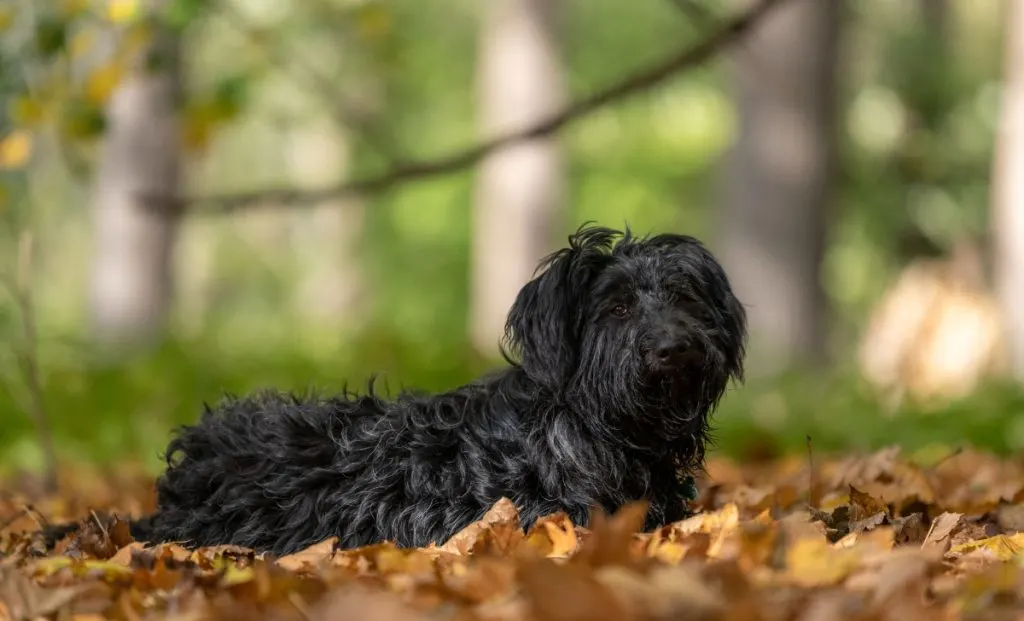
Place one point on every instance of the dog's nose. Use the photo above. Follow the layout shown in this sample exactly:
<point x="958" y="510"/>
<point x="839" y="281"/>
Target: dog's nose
<point x="663" y="353"/>
<point x="667" y="351"/>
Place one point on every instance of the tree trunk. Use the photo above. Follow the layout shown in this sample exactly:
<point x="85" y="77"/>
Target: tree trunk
<point x="132" y="279"/>
<point x="519" y="190"/>
<point x="778" y="181"/>
<point x="1007" y="205"/>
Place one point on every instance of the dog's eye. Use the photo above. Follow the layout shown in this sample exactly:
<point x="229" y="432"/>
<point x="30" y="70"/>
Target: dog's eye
<point x="620" y="310"/>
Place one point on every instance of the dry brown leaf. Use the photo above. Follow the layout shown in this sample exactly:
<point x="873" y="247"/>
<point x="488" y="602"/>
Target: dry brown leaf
<point x="124" y="555"/>
<point x="910" y="530"/>
<point x="25" y="599"/>
<point x="554" y="536"/>
<point x="502" y="512"/>
<point x="665" y="593"/>
<point x="361" y="604"/>
<point x="613" y="539"/>
<point x="815" y="563"/>
<point x="864" y="505"/>
<point x="941" y="532"/>
<point x="312" y="557"/>
<point x="569" y="593"/>
<point x="485" y="580"/>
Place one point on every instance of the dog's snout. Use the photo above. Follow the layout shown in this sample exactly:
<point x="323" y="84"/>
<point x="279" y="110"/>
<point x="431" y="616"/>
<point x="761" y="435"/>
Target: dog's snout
<point x="664" y="351"/>
<point x="667" y="351"/>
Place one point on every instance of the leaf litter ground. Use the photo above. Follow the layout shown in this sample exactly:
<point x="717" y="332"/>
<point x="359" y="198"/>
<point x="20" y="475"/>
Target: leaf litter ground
<point x="864" y="537"/>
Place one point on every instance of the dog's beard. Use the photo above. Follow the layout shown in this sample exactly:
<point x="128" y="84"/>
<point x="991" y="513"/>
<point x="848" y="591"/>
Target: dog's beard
<point x="655" y="409"/>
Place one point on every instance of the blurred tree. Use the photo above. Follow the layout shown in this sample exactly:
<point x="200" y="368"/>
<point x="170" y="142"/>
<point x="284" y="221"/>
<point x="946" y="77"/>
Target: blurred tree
<point x="131" y="281"/>
<point x="778" y="181"/>
<point x="936" y="17"/>
<point x="519" y="189"/>
<point x="1008" y="191"/>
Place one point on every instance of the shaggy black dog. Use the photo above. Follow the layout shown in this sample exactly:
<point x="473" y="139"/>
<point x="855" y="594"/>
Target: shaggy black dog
<point x="619" y="350"/>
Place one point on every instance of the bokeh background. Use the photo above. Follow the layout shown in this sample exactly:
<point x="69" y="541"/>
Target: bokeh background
<point x="186" y="212"/>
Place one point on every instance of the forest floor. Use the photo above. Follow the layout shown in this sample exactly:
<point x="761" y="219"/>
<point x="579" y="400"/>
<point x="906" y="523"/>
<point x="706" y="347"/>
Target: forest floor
<point x="851" y="537"/>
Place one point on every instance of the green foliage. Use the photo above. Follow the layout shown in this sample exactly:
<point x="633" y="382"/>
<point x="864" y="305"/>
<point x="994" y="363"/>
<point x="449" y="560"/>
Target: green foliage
<point x="838" y="413"/>
<point x="51" y="36"/>
<point x="179" y="14"/>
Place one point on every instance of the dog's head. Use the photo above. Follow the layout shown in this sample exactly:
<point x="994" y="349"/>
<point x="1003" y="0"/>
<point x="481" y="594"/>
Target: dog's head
<point x="647" y="328"/>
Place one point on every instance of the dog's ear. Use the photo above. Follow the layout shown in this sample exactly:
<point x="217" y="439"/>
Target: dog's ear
<point x="734" y="322"/>
<point x="546" y="320"/>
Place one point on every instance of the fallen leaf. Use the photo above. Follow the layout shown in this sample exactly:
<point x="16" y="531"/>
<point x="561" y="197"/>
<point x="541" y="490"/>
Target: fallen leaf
<point x="815" y="563"/>
<point x="27" y="600"/>
<point x="125" y="554"/>
<point x="612" y="539"/>
<point x="502" y="512"/>
<point x="550" y="588"/>
<point x="869" y="523"/>
<point x="311" y="557"/>
<point x="1000" y="547"/>
<point x="941" y="532"/>
<point x="909" y="530"/>
<point x="362" y="604"/>
<point x="665" y="593"/>
<point x="864" y="506"/>
<point x="553" y="536"/>
<point x="15" y="150"/>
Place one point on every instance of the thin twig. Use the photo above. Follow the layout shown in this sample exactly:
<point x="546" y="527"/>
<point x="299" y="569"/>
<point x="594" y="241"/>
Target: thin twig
<point x="103" y="529"/>
<point x="641" y="81"/>
<point x="812" y="496"/>
<point x="948" y="456"/>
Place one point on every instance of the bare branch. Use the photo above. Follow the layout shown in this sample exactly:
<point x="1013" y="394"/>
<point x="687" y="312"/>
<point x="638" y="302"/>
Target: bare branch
<point x="641" y="81"/>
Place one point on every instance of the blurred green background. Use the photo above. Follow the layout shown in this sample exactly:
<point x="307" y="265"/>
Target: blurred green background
<point x="916" y="130"/>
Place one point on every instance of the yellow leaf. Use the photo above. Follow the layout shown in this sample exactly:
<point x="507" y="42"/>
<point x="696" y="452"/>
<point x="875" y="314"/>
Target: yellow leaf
<point x="121" y="11"/>
<point x="81" y="42"/>
<point x="15" y="149"/>
<point x="717" y="525"/>
<point x="310" y="557"/>
<point x="234" y="574"/>
<point x="554" y="536"/>
<point x="815" y="563"/>
<point x="1003" y="547"/>
<point x="108" y="569"/>
<point x="26" y="111"/>
<point x="51" y="565"/>
<point x="102" y="82"/>
<point x="196" y="132"/>
<point x="6" y="17"/>
<point x="71" y="8"/>
<point x="374" y="21"/>
<point x="671" y="552"/>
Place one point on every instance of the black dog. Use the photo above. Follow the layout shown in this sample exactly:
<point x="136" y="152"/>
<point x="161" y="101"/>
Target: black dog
<point x="624" y="349"/>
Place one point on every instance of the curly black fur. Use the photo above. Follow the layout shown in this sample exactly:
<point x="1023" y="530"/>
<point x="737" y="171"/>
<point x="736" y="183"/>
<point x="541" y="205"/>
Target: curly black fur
<point x="625" y="346"/>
